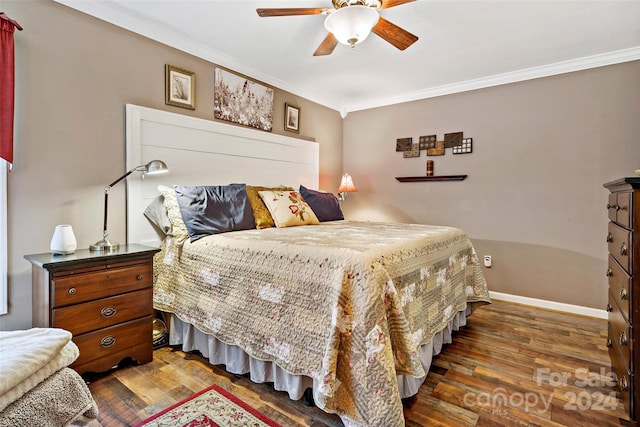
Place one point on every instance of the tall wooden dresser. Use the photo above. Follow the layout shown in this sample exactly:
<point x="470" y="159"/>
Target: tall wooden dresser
<point x="623" y="272"/>
<point x="103" y="298"/>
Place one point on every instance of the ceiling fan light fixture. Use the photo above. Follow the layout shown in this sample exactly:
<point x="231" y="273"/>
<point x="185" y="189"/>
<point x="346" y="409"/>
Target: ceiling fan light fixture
<point x="351" y="25"/>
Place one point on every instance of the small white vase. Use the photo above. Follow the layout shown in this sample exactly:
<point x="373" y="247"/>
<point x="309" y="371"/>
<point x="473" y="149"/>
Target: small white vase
<point x="63" y="241"/>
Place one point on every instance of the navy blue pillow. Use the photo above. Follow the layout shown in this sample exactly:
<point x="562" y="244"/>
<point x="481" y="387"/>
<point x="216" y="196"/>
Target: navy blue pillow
<point x="214" y="209"/>
<point x="324" y="205"/>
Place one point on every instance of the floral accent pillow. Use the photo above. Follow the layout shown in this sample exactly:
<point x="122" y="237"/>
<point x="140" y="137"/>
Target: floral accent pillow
<point x="288" y="208"/>
<point x="261" y="214"/>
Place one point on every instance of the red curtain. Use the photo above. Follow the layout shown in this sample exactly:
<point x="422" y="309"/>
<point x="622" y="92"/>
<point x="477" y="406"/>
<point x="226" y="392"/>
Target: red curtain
<point x="7" y="74"/>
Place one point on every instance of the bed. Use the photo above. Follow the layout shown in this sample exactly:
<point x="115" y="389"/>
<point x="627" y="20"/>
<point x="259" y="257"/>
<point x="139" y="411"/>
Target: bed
<point x="353" y="311"/>
<point x="36" y="386"/>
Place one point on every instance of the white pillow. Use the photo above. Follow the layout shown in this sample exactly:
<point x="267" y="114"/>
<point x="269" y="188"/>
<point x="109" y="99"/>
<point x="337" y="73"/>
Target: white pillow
<point x="288" y="208"/>
<point x="178" y="228"/>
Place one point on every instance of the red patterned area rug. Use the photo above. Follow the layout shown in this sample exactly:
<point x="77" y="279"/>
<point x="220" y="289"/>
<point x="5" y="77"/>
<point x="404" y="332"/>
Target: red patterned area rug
<point x="211" y="407"/>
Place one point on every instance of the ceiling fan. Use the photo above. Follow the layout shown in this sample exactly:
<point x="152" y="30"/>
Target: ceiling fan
<point x="350" y="22"/>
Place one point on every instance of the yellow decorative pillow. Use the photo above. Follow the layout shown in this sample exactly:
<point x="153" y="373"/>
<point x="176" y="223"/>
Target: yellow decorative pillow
<point x="288" y="208"/>
<point x="261" y="214"/>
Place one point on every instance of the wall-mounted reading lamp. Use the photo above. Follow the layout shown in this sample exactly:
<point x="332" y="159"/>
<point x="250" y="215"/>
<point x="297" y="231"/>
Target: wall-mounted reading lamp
<point x="151" y="168"/>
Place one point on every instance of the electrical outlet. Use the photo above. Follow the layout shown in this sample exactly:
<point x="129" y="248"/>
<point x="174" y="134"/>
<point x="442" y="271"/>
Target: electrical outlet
<point x="487" y="261"/>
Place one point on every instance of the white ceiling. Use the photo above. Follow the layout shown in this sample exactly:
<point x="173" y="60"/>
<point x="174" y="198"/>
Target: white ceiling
<point x="464" y="44"/>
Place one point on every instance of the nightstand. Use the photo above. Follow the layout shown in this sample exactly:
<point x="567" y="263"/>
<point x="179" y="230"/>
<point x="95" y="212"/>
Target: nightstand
<point x="104" y="299"/>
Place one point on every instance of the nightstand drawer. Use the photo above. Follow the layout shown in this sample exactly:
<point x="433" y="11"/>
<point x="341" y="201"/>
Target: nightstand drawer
<point x="619" y="241"/>
<point x="108" y="345"/>
<point x="83" y="287"/>
<point x="621" y="288"/>
<point x="81" y="318"/>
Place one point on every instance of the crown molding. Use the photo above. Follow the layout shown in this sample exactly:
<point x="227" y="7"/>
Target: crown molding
<point x="109" y="12"/>
<point x="578" y="64"/>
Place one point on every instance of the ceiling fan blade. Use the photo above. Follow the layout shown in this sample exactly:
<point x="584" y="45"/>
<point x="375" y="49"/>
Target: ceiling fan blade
<point x="395" y="35"/>
<point x="386" y="4"/>
<point x="326" y="47"/>
<point x="291" y="11"/>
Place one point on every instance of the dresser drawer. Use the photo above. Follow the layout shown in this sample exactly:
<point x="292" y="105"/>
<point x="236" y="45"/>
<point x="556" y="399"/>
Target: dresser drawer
<point x="620" y="334"/>
<point x="111" y="343"/>
<point x="81" y="287"/>
<point x="621" y="289"/>
<point x="89" y="316"/>
<point x="612" y="206"/>
<point x="624" y="380"/>
<point x="619" y="241"/>
<point x="624" y="209"/>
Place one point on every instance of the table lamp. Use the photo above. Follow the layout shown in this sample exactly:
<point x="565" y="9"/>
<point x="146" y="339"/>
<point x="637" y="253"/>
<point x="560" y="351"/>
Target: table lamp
<point x="151" y="168"/>
<point x="346" y="186"/>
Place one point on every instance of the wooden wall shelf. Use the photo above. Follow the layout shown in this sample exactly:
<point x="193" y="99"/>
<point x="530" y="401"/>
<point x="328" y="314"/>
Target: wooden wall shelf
<point x="431" y="178"/>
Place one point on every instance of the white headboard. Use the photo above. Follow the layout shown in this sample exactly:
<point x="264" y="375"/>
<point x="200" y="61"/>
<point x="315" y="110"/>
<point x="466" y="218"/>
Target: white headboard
<point x="206" y="152"/>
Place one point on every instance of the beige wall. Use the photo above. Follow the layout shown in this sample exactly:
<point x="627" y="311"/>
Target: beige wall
<point x="534" y="198"/>
<point x="74" y="74"/>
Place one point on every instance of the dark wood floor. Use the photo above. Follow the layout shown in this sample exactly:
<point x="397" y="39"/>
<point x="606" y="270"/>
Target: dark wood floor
<point x="511" y="365"/>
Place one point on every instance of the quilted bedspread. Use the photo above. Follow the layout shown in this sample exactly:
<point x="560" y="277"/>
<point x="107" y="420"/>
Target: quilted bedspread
<point x="346" y="303"/>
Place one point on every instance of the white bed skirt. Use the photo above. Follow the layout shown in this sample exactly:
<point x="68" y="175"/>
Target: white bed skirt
<point x="238" y="362"/>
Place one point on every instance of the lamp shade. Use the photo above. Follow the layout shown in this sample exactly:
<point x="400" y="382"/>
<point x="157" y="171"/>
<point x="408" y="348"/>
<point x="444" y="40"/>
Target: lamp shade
<point x="346" y="184"/>
<point x="156" y="166"/>
<point x="350" y="25"/>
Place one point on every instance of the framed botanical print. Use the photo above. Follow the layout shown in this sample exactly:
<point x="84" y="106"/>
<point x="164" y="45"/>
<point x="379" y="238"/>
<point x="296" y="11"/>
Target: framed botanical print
<point x="180" y="87"/>
<point x="238" y="99"/>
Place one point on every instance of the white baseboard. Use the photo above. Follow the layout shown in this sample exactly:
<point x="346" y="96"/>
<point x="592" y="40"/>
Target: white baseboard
<point x="551" y="305"/>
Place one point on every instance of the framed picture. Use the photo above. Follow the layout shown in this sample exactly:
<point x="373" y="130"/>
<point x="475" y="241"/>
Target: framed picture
<point x="414" y="152"/>
<point x="452" y="139"/>
<point x="404" y="144"/>
<point x="437" y="150"/>
<point x="465" y="147"/>
<point x="427" y="141"/>
<point x="180" y="87"/>
<point x="291" y="118"/>
<point x="239" y="100"/>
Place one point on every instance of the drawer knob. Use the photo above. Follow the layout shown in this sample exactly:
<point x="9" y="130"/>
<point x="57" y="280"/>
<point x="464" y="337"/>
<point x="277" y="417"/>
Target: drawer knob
<point x="617" y="207"/>
<point x="609" y="343"/>
<point x="609" y="238"/>
<point x="107" y="341"/>
<point x="140" y="277"/>
<point x="107" y="312"/>
<point x="609" y="308"/>
<point x="623" y="339"/>
<point x="623" y="384"/>
<point x="609" y="206"/>
<point x="72" y="291"/>
<point x="609" y="273"/>
<point x="623" y="249"/>
<point x="623" y="294"/>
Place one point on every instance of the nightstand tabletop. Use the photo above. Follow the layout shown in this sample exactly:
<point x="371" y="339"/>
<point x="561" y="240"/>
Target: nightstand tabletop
<point x="47" y="259"/>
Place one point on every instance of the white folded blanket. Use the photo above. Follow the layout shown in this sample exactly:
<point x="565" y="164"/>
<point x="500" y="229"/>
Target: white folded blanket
<point x="27" y="357"/>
